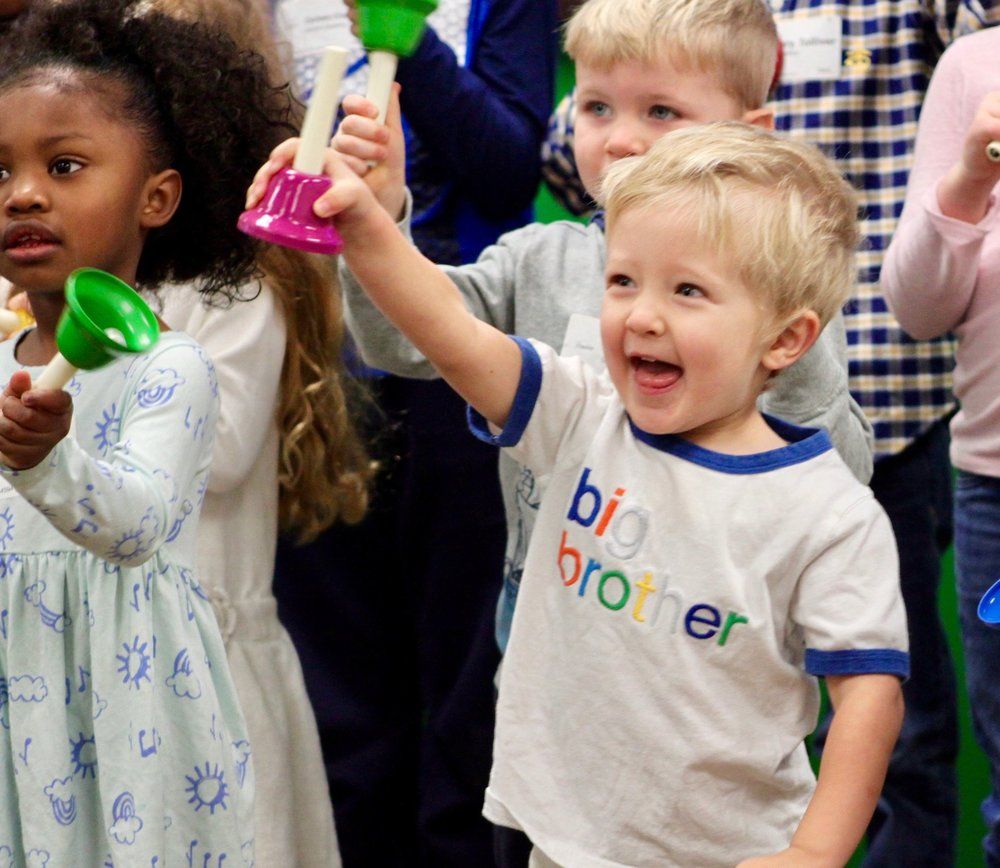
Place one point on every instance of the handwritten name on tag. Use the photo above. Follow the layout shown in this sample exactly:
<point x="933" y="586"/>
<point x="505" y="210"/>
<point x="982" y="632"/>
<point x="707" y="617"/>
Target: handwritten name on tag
<point x="812" y="49"/>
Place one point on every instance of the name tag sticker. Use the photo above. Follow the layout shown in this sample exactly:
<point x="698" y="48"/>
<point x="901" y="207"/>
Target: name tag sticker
<point x="812" y="48"/>
<point x="583" y="339"/>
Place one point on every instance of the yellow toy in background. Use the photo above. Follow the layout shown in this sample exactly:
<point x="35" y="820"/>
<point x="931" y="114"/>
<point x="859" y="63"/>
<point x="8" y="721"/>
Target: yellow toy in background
<point x="14" y="320"/>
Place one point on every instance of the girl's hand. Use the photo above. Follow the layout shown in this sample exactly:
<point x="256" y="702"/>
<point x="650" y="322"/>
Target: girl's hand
<point x="32" y="421"/>
<point x="964" y="192"/>
<point x="376" y="152"/>
<point x="985" y="128"/>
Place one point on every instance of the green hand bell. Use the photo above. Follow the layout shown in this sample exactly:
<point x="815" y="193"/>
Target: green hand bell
<point x="390" y="29"/>
<point x="104" y="318"/>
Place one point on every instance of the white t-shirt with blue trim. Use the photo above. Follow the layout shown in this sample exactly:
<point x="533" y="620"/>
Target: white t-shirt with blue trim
<point x="676" y="607"/>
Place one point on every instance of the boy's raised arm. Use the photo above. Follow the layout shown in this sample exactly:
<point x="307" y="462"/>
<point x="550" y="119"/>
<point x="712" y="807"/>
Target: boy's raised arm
<point x="486" y="285"/>
<point x="479" y="362"/>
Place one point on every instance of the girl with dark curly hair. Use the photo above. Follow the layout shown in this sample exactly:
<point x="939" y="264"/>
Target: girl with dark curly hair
<point x="127" y="138"/>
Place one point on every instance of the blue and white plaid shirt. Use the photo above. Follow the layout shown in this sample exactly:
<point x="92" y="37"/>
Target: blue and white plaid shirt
<point x="866" y="120"/>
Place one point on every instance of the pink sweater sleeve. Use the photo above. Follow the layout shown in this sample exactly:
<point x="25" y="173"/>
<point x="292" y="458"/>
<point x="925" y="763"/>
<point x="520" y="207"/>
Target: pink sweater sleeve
<point x="931" y="266"/>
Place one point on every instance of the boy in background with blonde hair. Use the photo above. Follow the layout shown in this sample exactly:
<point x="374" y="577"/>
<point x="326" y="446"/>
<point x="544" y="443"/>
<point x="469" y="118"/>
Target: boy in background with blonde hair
<point x="644" y="68"/>
<point x="696" y="564"/>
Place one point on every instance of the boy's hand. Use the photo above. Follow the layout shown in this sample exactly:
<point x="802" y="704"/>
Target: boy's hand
<point x="385" y="182"/>
<point x="280" y="158"/>
<point x="348" y="196"/>
<point x="32" y="421"/>
<point x="349" y="200"/>
<point x="363" y="142"/>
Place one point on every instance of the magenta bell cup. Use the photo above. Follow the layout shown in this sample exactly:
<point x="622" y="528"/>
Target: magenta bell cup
<point x="285" y="215"/>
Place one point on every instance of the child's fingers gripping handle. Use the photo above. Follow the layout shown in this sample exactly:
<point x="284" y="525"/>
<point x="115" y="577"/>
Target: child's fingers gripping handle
<point x="993" y="151"/>
<point x="318" y="122"/>
<point x="381" y="74"/>
<point x="56" y="375"/>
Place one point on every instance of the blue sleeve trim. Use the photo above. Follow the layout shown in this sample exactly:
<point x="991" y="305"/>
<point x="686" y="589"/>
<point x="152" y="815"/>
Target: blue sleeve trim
<point x="873" y="661"/>
<point x="528" y="386"/>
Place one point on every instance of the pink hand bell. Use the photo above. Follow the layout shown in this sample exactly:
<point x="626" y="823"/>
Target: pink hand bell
<point x="285" y="214"/>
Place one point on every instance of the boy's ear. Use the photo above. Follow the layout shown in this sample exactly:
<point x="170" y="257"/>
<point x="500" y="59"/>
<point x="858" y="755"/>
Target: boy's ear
<point x="762" y="117"/>
<point x="161" y="196"/>
<point x="793" y="341"/>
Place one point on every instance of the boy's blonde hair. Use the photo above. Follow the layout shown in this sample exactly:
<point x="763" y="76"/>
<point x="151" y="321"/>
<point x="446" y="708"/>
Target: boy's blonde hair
<point x="779" y="210"/>
<point x="735" y="40"/>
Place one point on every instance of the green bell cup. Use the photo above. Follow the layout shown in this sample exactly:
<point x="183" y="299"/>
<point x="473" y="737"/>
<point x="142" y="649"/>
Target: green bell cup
<point x="393" y="25"/>
<point x="104" y="318"/>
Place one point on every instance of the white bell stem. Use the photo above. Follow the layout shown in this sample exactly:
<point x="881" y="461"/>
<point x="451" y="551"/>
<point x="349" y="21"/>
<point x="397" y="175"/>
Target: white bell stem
<point x="318" y="123"/>
<point x="993" y="151"/>
<point x="381" y="74"/>
<point x="56" y="375"/>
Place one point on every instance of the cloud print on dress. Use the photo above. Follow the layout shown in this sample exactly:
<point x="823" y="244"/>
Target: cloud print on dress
<point x="184" y="682"/>
<point x="27" y="688"/>
<point x="38" y="859"/>
<point x="54" y="620"/>
<point x="158" y="386"/>
<point x="63" y="800"/>
<point x="127" y="824"/>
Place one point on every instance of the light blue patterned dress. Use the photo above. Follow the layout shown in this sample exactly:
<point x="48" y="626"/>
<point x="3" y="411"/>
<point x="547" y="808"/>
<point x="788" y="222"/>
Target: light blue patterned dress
<point x="121" y="739"/>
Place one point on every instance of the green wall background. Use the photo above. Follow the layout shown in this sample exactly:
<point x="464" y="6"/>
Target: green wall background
<point x="973" y="774"/>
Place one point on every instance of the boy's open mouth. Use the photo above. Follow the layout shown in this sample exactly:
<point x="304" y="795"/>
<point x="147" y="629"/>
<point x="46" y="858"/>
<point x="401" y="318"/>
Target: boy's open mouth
<point x="653" y="374"/>
<point x="28" y="241"/>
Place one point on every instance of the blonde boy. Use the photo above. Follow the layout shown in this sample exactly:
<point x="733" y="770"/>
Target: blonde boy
<point x="695" y="564"/>
<point x="644" y="68"/>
